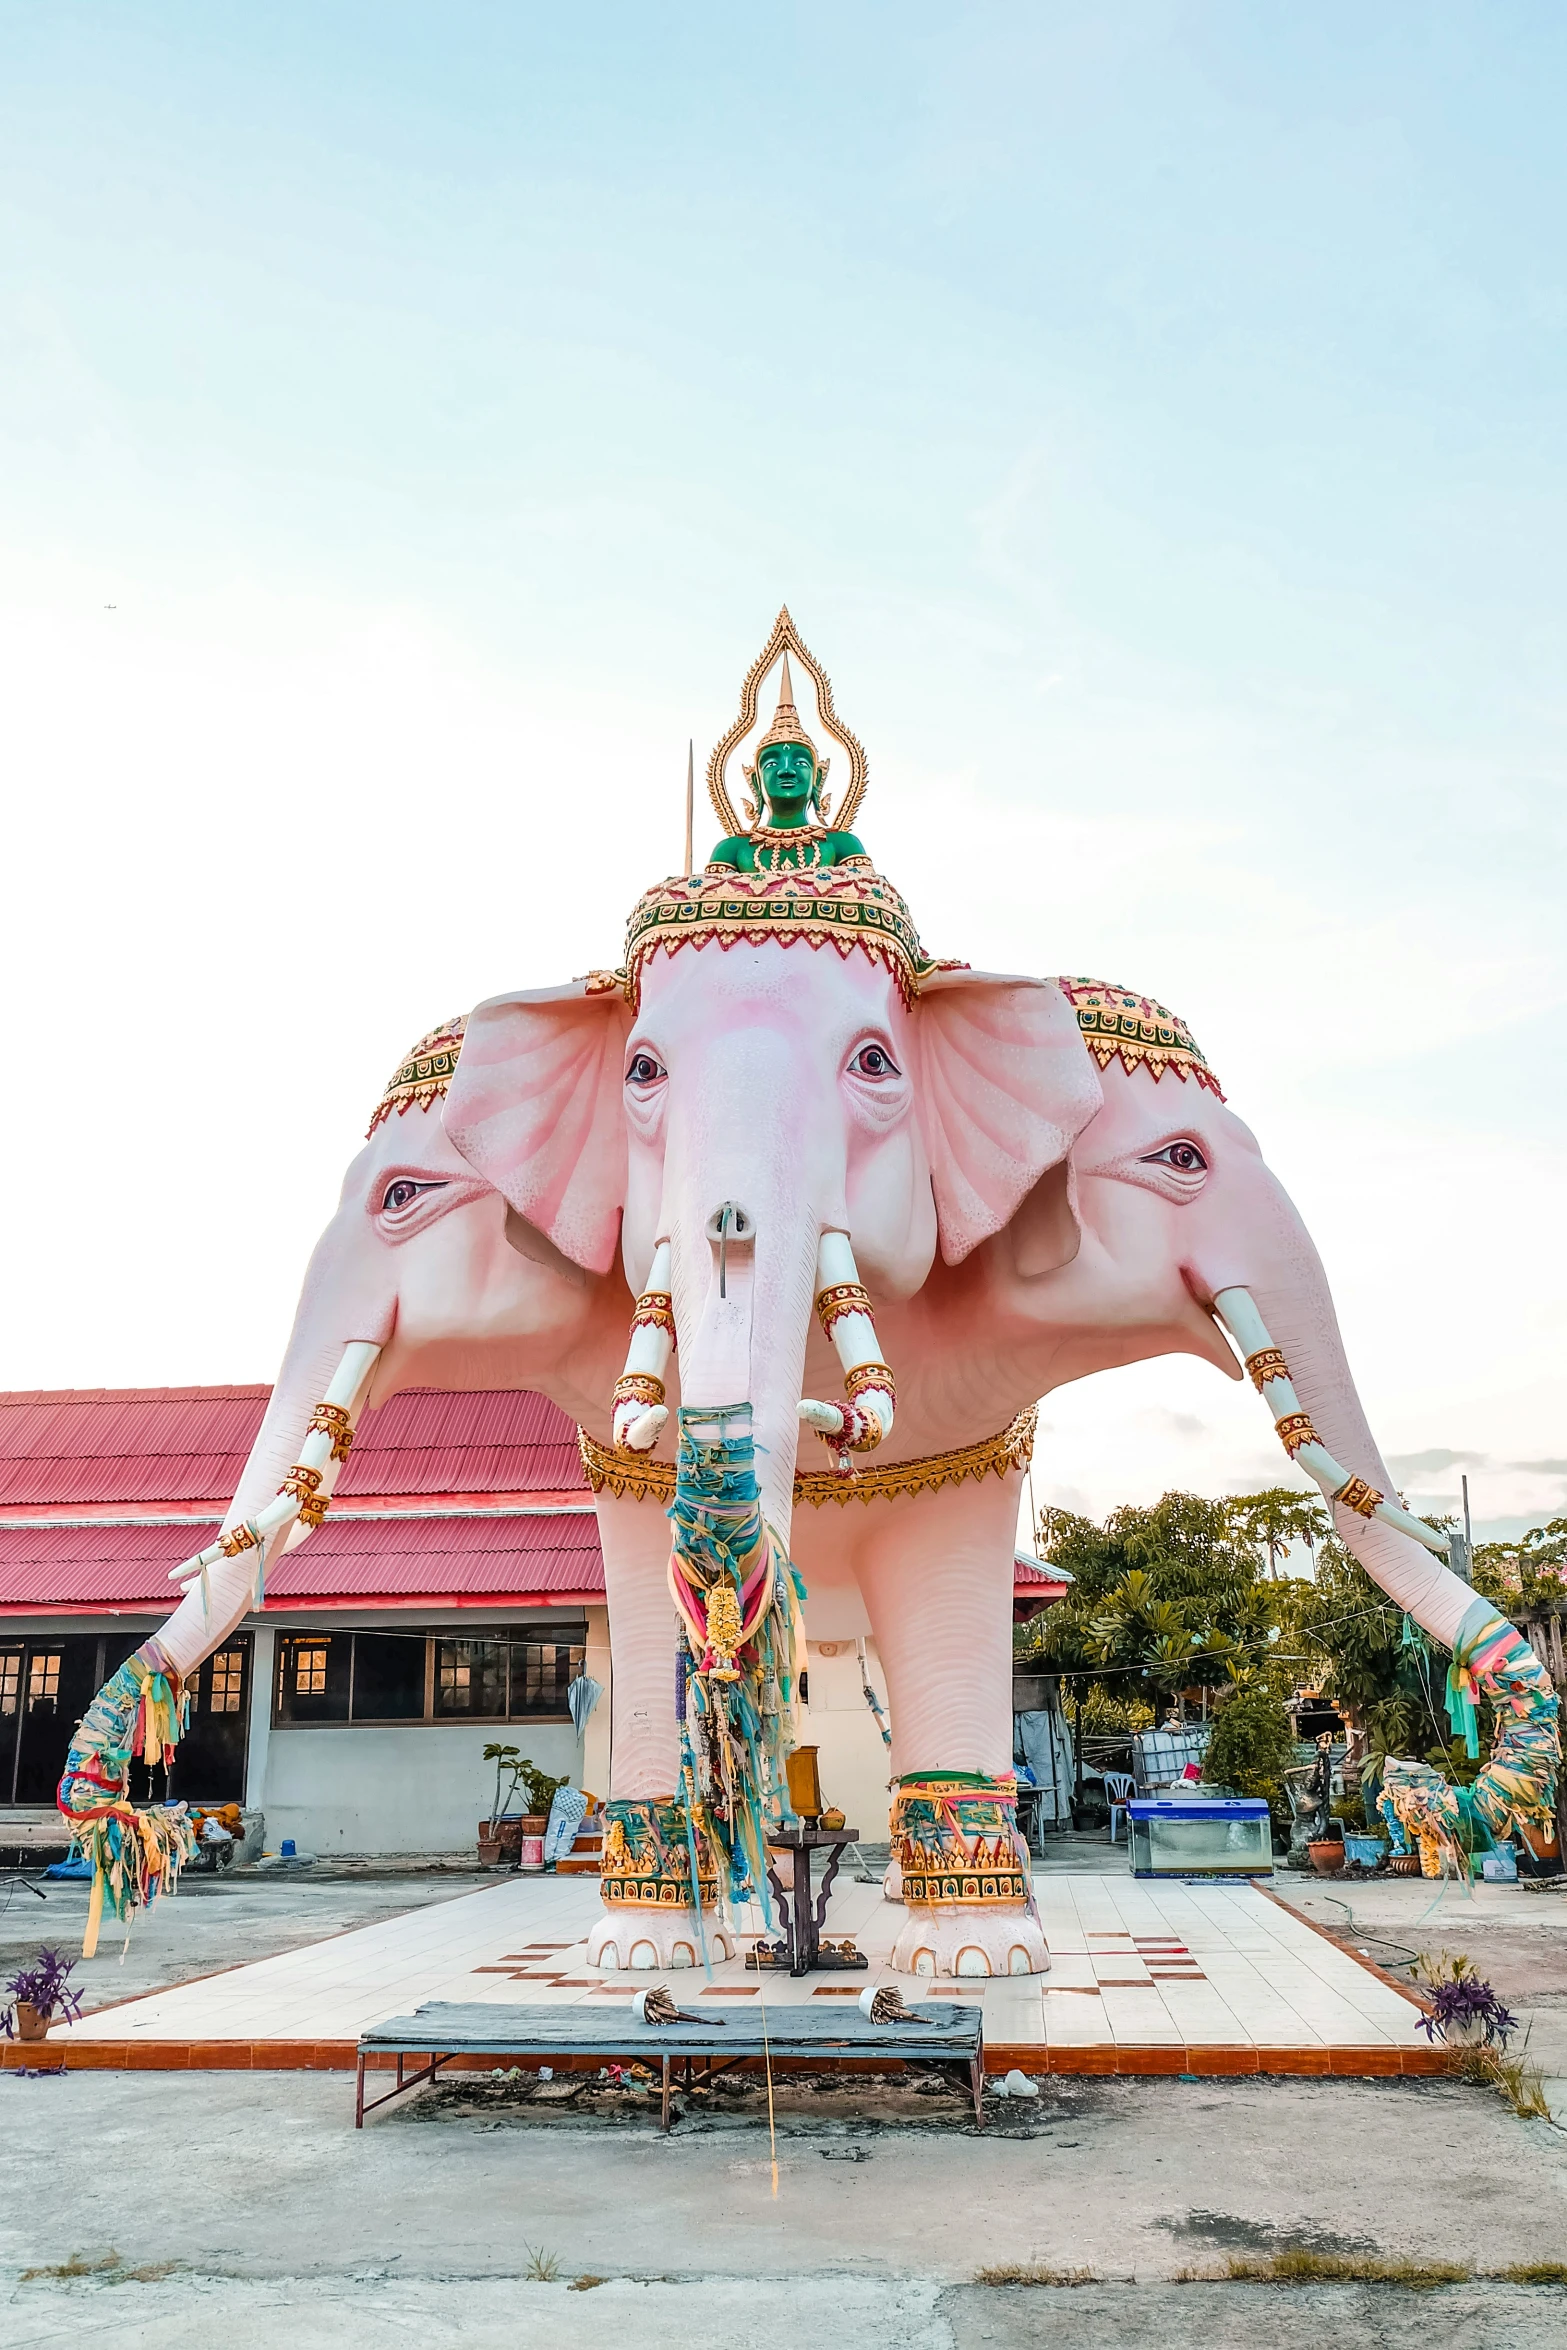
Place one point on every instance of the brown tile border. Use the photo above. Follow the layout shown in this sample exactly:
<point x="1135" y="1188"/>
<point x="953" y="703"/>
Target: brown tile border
<point x="1126" y="2062"/>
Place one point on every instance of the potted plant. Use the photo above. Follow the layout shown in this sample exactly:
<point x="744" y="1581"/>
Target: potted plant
<point x="1465" y="2011"/>
<point x="39" y="1994"/>
<point x="503" y="1832"/>
<point x="1363" y="1846"/>
<point x="1327" y="1851"/>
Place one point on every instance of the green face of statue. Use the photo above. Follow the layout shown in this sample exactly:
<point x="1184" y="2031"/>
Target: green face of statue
<point x="787" y="773"/>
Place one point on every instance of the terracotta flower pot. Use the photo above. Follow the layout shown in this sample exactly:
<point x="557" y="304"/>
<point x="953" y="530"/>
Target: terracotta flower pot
<point x="490" y="1854"/>
<point x="30" y="2025"/>
<point x="534" y="1823"/>
<point x="1327" y="1856"/>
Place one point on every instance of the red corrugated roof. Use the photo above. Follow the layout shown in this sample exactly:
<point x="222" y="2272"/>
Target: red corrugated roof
<point x="505" y="1557"/>
<point x="1032" y="1576"/>
<point x="97" y="1446"/>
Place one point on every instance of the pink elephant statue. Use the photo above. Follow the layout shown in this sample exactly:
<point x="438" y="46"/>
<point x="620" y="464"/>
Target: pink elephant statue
<point x="782" y="1152"/>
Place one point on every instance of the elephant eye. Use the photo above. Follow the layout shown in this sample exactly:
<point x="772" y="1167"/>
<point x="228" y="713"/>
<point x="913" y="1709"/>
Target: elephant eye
<point x="644" y="1070"/>
<point x="874" y="1060"/>
<point x="403" y="1192"/>
<point x="1183" y="1157"/>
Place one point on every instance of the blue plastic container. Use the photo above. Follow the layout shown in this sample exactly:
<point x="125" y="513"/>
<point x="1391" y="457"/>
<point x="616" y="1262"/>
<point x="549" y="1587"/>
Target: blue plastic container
<point x="1183" y="1836"/>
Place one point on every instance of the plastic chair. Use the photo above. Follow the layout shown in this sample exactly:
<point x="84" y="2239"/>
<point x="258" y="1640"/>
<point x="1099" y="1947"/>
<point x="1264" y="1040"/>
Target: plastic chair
<point x="1118" y="1787"/>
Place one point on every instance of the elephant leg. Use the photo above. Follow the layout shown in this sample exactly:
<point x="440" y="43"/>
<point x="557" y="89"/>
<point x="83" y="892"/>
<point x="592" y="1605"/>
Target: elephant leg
<point x="649" y="1918"/>
<point x="936" y="1572"/>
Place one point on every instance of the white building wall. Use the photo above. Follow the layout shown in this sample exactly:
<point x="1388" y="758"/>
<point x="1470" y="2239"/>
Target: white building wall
<point x="853" y="1763"/>
<point x="336" y="1788"/>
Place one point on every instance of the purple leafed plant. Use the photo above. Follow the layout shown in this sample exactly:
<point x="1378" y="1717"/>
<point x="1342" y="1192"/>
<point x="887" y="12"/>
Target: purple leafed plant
<point x="45" y="1985"/>
<point x="1468" y="2000"/>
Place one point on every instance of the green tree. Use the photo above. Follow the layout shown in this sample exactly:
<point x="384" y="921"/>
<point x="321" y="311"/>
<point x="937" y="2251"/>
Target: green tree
<point x="1268" y="1522"/>
<point x="1252" y="1747"/>
<point x="1528" y="1576"/>
<point x="1164" y="1599"/>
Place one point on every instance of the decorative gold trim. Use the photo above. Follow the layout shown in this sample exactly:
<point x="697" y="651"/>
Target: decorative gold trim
<point x="1267" y="1363"/>
<point x="851" y="905"/>
<point x="330" y="1419"/>
<point x="1294" y="1430"/>
<point x="1357" y="1495"/>
<point x="785" y="638"/>
<point x="656" y="1892"/>
<point x="424" y="1076"/>
<point x="304" y="1486"/>
<point x="239" y="1538"/>
<point x="840" y="1298"/>
<point x="1119" y="1024"/>
<point x="638" y="1387"/>
<point x="655" y="1310"/>
<point x="877" y="1375"/>
<point x="1008" y="1886"/>
<point x="1013" y="1448"/>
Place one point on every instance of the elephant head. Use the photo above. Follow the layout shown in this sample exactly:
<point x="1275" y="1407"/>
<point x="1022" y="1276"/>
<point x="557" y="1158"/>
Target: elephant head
<point x="779" y="1069"/>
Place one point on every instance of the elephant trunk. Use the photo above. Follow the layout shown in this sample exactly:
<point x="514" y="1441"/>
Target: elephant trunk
<point x="1288" y="1331"/>
<point x="344" y="1319"/>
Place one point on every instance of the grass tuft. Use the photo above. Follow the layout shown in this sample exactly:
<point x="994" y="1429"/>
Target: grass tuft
<point x="1331" y="2268"/>
<point x="1516" y="2078"/>
<point x="542" y="2268"/>
<point x="1533" y="2272"/>
<point x="77" y="2266"/>
<point x="1024" y="2272"/>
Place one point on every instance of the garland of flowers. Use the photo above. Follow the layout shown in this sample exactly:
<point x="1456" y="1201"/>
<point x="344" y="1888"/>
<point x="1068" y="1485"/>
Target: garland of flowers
<point x="740" y="1603"/>
<point x="143" y="1709"/>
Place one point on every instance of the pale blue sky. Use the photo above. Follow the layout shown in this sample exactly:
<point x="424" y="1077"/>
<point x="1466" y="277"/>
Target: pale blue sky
<point x="1153" y="416"/>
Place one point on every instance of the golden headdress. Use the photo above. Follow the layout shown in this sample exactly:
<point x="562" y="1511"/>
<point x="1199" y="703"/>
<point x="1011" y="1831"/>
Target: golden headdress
<point x="786" y="726"/>
<point x="424" y="1076"/>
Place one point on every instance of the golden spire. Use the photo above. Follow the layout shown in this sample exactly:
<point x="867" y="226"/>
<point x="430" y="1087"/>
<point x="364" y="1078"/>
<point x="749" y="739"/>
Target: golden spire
<point x="786" y="727"/>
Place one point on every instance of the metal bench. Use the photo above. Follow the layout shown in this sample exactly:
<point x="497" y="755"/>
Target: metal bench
<point x="946" y="2032"/>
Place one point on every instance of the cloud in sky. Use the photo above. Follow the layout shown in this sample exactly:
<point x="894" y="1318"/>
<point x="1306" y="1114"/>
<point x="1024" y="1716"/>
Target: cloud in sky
<point x="411" y="427"/>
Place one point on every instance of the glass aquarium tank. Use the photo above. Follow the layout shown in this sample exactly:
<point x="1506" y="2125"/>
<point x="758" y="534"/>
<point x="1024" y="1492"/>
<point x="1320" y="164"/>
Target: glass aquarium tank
<point x="1188" y="1836"/>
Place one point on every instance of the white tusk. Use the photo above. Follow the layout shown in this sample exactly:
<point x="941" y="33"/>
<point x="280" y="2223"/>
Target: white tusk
<point x="1237" y="1310"/>
<point x="644" y="1433"/>
<point x="639" y="1413"/>
<point x="845" y="1312"/>
<point x="349" y="1381"/>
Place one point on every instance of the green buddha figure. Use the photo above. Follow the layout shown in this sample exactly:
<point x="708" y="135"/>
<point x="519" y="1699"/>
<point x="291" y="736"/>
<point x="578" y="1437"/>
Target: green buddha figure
<point x="789" y="833"/>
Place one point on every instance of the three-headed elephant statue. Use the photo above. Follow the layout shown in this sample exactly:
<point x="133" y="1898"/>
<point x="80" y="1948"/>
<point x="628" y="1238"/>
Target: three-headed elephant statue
<point x="784" y="1175"/>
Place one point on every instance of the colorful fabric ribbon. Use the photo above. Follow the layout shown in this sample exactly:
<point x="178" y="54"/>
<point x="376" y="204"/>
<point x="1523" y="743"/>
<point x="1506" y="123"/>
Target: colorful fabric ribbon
<point x="1517" y="1788"/>
<point x="740" y="1604"/>
<point x="135" y="1853"/>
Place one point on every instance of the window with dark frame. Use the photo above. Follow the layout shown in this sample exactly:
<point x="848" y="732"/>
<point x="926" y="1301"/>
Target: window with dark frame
<point x="385" y="1678"/>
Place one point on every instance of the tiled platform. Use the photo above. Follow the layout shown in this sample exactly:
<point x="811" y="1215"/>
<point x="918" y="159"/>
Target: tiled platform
<point x="1145" y="1978"/>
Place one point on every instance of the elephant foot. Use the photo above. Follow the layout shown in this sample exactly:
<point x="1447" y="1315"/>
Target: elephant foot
<point x="892" y="1882"/>
<point x="970" y="1943"/>
<point x="656" y="1940"/>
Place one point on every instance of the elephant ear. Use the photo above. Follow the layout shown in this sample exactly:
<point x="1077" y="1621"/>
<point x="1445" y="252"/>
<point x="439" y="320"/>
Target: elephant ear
<point x="1008" y="1086"/>
<point x="536" y="1105"/>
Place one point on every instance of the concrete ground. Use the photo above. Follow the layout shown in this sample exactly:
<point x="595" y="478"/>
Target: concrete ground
<point x="164" y="2209"/>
